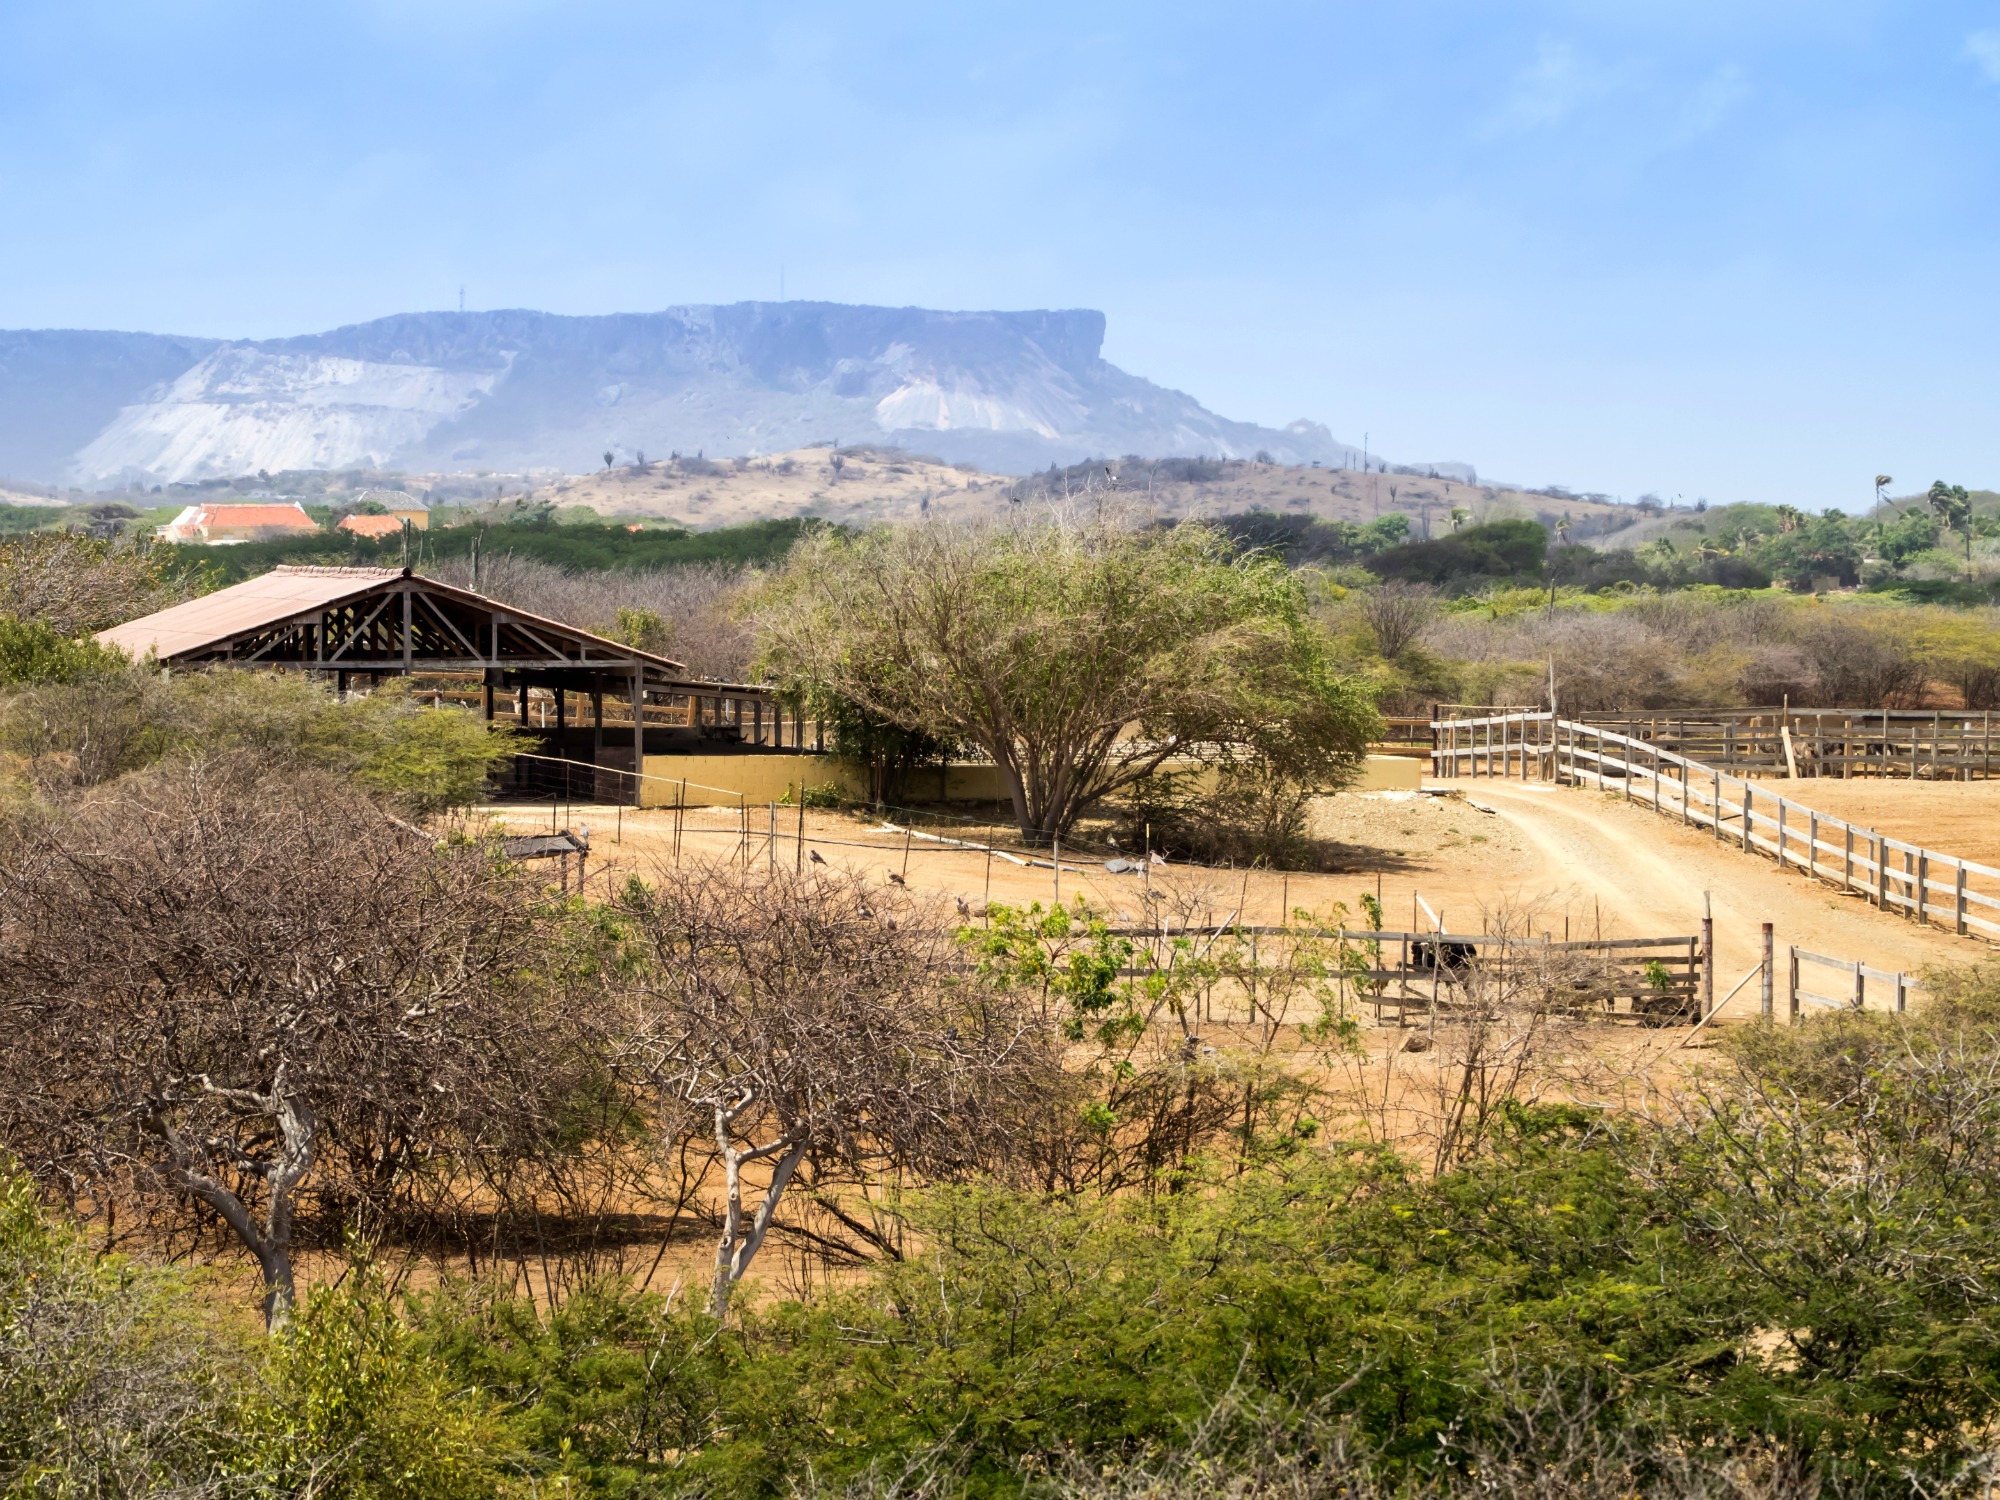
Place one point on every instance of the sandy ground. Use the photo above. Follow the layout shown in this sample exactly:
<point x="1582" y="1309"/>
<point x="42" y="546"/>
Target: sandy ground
<point x="1566" y="860"/>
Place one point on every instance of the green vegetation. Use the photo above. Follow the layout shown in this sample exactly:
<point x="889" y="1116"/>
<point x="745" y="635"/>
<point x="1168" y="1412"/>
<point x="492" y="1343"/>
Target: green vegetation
<point x="1046" y="645"/>
<point x="1787" y="1275"/>
<point x="581" y="546"/>
<point x="64" y="734"/>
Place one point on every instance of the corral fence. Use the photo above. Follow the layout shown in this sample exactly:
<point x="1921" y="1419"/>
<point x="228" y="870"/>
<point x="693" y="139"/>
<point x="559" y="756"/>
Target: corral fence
<point x="1904" y="743"/>
<point x="1650" y="981"/>
<point x="1920" y="883"/>
<point x="1850" y="977"/>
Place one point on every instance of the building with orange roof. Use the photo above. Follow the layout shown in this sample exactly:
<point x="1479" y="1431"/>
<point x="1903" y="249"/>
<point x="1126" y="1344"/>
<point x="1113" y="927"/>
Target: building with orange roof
<point x="373" y="526"/>
<point x="221" y="525"/>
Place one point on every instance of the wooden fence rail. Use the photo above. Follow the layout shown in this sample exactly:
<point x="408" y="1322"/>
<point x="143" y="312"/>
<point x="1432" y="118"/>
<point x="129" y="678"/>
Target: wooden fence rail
<point x="1920" y="883"/>
<point x="1919" y="744"/>
<point x="1854" y="978"/>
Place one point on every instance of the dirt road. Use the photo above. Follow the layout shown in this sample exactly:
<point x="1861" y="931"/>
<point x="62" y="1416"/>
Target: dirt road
<point x="1653" y="872"/>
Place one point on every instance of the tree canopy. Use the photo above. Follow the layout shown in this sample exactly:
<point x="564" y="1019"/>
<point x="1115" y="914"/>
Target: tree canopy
<point x="1082" y="658"/>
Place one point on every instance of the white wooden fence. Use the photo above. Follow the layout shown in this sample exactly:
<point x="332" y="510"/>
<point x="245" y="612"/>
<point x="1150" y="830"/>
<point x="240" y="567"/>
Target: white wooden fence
<point x="1920" y="883"/>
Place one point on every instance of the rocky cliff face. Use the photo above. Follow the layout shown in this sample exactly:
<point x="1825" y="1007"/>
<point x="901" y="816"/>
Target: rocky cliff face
<point x="525" y="390"/>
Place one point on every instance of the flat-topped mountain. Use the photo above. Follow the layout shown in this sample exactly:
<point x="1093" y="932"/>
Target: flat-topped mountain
<point x="442" y="391"/>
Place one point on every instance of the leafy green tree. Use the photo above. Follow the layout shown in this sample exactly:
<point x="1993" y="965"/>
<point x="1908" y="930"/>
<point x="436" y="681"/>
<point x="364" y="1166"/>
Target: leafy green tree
<point x="1080" y="658"/>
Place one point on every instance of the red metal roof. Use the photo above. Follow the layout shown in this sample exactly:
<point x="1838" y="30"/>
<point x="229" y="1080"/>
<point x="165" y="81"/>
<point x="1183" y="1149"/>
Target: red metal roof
<point x="276" y="595"/>
<point x="290" y="591"/>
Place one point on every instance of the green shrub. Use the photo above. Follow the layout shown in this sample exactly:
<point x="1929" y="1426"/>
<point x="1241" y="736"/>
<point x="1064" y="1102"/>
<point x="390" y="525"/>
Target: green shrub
<point x="107" y="1387"/>
<point x="33" y="653"/>
<point x="352" y="1407"/>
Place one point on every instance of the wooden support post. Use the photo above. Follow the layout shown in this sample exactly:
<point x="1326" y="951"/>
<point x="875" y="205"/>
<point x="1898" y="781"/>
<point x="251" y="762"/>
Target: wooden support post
<point x="1715" y="823"/>
<point x="1707" y="958"/>
<point x="1781" y="832"/>
<point x="1847" y="859"/>
<point x="638" y="691"/>
<point x="1684" y="794"/>
<point x="562" y="705"/>
<point x="1881" y="873"/>
<point x="486" y="687"/>
<point x="1860" y="985"/>
<point x="1792" y="988"/>
<point x="1812" y="844"/>
<point x="596" y="720"/>
<point x="1902" y="991"/>
<point x="1746" y="815"/>
<point x="1958" y="901"/>
<point x="1923" y="886"/>
<point x="1764" y="982"/>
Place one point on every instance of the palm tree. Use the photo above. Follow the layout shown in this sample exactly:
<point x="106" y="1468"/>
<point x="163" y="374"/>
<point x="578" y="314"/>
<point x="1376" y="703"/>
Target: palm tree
<point x="1881" y="482"/>
<point x="1459" y="516"/>
<point x="1953" y="505"/>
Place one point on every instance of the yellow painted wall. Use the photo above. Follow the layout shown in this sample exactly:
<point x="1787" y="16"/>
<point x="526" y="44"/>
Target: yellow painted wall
<point x="720" y="780"/>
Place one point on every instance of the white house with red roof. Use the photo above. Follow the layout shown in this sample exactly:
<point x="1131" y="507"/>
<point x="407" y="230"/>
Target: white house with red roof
<point x="222" y="525"/>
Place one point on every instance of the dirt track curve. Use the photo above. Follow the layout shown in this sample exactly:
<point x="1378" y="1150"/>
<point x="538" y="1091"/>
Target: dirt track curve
<point x="1653" y="872"/>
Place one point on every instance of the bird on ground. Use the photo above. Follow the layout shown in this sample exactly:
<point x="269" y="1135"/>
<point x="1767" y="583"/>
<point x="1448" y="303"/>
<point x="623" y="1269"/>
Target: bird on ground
<point x="963" y="909"/>
<point x="813" y="855"/>
<point x="895" y="879"/>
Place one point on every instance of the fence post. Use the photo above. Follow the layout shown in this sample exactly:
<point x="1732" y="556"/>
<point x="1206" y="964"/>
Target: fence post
<point x="1715" y="823"/>
<point x="1812" y="844"/>
<point x="1764" y="981"/>
<point x="1656" y="771"/>
<point x="1746" y="815"/>
<point x="1860" y="986"/>
<point x="1847" y="864"/>
<point x="1707" y="958"/>
<point x="1782" y="805"/>
<point x="1958" y="902"/>
<point x="1792" y="990"/>
<point x="1684" y="794"/>
<point x="1902" y="990"/>
<point x="1881" y="872"/>
<point x="1923" y="885"/>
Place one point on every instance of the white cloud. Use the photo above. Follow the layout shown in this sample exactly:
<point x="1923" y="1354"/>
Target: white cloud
<point x="1551" y="88"/>
<point x="1983" y="47"/>
<point x="1711" y="103"/>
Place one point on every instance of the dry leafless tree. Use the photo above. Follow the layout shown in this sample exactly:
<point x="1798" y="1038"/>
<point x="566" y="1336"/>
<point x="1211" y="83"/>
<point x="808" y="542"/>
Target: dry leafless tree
<point x="812" y="1022"/>
<point x="254" y="995"/>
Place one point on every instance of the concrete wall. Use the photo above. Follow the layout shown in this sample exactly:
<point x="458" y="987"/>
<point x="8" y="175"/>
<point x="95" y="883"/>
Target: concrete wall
<point x="720" y="780"/>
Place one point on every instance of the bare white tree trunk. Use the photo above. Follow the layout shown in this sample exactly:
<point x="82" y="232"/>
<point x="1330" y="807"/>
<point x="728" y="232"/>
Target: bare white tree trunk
<point x="271" y="1241"/>
<point x="739" y="1243"/>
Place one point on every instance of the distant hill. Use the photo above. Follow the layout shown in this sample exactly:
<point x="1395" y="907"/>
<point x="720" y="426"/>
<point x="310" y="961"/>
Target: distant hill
<point x="874" y="483"/>
<point x="518" y="391"/>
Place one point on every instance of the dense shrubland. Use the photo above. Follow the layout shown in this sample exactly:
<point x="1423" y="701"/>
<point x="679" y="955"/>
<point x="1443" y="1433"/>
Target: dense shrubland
<point x="1775" y="1282"/>
<point x="736" y="1182"/>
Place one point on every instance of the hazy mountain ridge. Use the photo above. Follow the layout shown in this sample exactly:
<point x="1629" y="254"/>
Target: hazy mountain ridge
<point x="517" y="390"/>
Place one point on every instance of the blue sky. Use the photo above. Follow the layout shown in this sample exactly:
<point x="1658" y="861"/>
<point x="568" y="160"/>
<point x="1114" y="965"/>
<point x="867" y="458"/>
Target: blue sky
<point x="1745" y="251"/>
